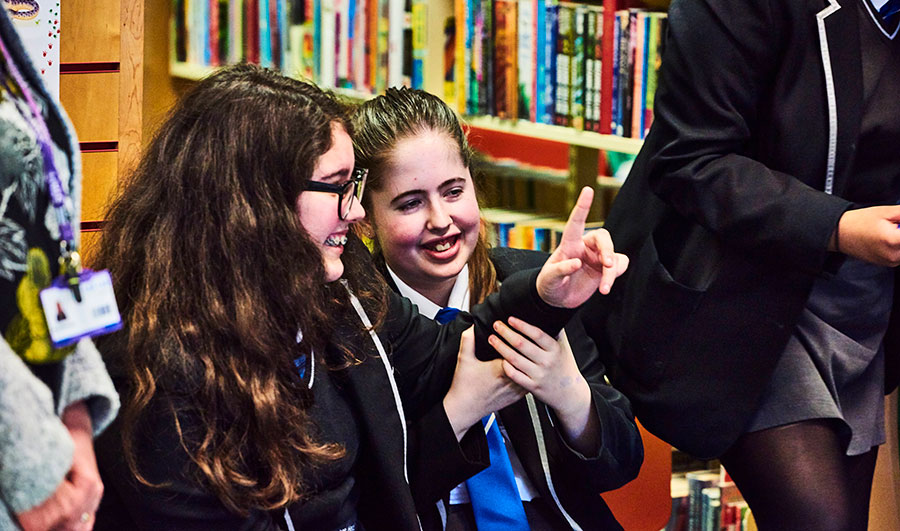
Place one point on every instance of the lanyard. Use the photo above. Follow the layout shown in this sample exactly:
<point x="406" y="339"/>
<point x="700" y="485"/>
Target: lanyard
<point x="61" y="201"/>
<point x="69" y="256"/>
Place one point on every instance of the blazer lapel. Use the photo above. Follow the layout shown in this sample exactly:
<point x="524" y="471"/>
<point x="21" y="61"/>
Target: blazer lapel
<point x="838" y="31"/>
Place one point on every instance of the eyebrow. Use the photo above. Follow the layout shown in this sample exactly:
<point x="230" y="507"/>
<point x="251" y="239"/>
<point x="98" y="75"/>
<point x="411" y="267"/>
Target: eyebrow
<point x="344" y="172"/>
<point x="444" y="184"/>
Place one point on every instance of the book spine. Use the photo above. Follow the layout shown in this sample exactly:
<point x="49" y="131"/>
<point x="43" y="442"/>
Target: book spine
<point x="251" y="29"/>
<point x="213" y="14"/>
<point x="419" y="43"/>
<point x="540" y="69"/>
<point x="589" y="36"/>
<point x="606" y="65"/>
<point x="450" y="61"/>
<point x="180" y="30"/>
<point x="628" y="72"/>
<point x="474" y="65"/>
<point x="279" y="36"/>
<point x="503" y="45"/>
<point x="342" y="42"/>
<point x="461" y="57"/>
<point x="637" y="93"/>
<point x="526" y="56"/>
<point x="653" y="61"/>
<point x="598" y="70"/>
<point x="327" y="44"/>
<point x="512" y="77"/>
<point x="563" y="65"/>
<point x="396" y="15"/>
<point x="578" y="81"/>
<point x="265" y="34"/>
<point x="204" y="25"/>
<point x="486" y="57"/>
<point x="551" y="36"/>
<point x="371" y="43"/>
<point x="235" y="32"/>
<point x="407" y="61"/>
<point x="358" y="52"/>
<point x="382" y="76"/>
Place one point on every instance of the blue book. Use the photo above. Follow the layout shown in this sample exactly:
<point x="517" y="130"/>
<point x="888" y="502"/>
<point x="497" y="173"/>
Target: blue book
<point x="540" y="82"/>
<point x="265" y="35"/>
<point x="551" y="34"/>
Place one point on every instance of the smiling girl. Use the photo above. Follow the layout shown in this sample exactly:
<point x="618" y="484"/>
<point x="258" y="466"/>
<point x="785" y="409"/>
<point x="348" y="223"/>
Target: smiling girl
<point x="572" y="436"/>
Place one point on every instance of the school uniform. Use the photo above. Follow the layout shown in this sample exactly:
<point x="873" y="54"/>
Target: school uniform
<point x="771" y="121"/>
<point x="410" y="359"/>
<point x="559" y="486"/>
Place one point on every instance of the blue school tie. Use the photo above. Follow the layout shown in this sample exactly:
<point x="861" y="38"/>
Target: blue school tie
<point x="889" y="9"/>
<point x="445" y="315"/>
<point x="493" y="493"/>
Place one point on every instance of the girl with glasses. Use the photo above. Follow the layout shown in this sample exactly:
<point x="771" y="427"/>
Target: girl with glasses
<point x="573" y="436"/>
<point x="265" y="372"/>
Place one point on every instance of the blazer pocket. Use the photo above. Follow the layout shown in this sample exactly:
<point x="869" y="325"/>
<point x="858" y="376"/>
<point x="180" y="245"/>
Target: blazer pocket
<point x="654" y="310"/>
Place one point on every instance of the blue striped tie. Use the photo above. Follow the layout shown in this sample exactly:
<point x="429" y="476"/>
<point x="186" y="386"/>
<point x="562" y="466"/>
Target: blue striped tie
<point x="888" y="9"/>
<point x="495" y="498"/>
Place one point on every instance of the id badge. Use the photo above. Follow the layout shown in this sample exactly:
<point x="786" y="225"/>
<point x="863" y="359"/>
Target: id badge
<point x="69" y="320"/>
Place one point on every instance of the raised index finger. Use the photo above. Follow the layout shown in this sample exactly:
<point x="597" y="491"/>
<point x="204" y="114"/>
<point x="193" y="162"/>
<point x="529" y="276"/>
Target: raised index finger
<point x="574" y="228"/>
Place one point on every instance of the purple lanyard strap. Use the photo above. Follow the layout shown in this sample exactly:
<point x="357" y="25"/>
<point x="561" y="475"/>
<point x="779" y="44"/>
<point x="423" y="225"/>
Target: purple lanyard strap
<point x="61" y="202"/>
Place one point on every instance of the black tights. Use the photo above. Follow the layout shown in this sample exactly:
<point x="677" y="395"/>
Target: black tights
<point x="797" y="477"/>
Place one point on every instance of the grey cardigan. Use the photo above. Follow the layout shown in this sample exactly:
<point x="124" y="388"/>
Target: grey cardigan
<point x="35" y="447"/>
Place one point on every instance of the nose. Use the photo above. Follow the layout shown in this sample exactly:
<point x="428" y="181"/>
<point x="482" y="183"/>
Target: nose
<point x="438" y="218"/>
<point x="357" y="212"/>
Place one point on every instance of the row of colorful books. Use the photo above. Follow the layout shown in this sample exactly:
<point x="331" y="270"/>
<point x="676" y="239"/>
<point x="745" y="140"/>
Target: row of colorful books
<point x="542" y="60"/>
<point x="217" y="32"/>
<point x="365" y="45"/>
<point x="707" y="500"/>
<point x="525" y="230"/>
<point x="539" y="60"/>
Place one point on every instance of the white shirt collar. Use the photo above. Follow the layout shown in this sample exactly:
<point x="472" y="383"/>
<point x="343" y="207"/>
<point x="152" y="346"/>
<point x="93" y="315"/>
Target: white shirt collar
<point x="459" y="295"/>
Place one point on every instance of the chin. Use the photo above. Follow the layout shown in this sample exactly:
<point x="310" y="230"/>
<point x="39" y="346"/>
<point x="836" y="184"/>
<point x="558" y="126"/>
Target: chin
<point x="333" y="272"/>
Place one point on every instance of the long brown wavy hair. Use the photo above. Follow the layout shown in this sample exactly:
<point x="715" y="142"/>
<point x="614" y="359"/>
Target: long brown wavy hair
<point x="214" y="275"/>
<point x="380" y="123"/>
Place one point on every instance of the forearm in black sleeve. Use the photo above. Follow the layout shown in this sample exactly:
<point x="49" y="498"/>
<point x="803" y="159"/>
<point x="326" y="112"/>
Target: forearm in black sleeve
<point x="438" y="463"/>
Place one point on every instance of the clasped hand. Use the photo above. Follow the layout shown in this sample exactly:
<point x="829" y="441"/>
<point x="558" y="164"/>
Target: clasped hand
<point x="73" y="504"/>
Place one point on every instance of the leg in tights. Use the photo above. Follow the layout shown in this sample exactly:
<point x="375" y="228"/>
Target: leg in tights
<point x="797" y="477"/>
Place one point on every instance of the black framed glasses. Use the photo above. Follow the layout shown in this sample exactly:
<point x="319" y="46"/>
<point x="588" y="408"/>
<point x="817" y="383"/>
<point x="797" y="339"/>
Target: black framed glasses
<point x="345" y="192"/>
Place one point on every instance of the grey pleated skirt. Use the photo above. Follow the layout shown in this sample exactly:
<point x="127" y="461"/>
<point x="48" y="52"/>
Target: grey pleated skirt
<point x="833" y="365"/>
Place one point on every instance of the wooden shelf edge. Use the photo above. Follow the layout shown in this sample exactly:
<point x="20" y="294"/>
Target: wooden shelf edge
<point x="190" y="71"/>
<point x="513" y="168"/>
<point x="609" y="182"/>
<point x="553" y="133"/>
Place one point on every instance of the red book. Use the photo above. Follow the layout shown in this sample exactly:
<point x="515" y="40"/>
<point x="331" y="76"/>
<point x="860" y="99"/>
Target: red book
<point x="251" y="33"/>
<point x="606" y="65"/>
<point x="214" y="33"/>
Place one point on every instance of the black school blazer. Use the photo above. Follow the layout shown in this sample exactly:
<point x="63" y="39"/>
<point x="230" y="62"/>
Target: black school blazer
<point x="422" y="361"/>
<point x="724" y="214"/>
<point x="569" y="482"/>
